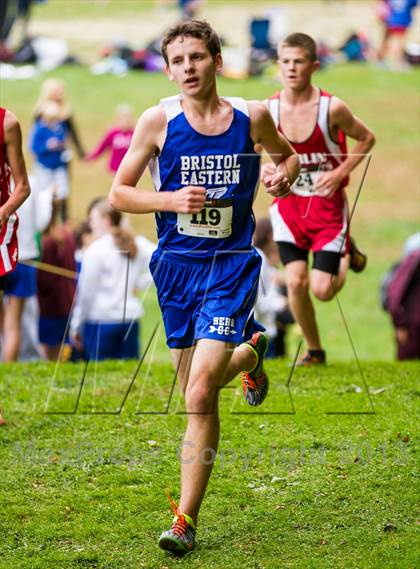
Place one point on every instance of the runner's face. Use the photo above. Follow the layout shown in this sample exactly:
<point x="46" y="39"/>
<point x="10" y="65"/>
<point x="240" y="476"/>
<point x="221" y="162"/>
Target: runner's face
<point x="191" y="65"/>
<point x="296" y="68"/>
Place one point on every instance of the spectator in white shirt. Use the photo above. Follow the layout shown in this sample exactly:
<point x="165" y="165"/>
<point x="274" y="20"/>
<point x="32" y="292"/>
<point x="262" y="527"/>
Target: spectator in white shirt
<point x="105" y="319"/>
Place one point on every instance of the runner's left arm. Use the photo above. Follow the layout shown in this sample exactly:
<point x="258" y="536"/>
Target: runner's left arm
<point x="278" y="180"/>
<point x="13" y="142"/>
<point x="342" y="118"/>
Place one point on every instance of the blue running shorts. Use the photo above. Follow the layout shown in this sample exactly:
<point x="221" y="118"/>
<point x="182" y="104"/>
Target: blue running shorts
<point x="21" y="282"/>
<point x="207" y="298"/>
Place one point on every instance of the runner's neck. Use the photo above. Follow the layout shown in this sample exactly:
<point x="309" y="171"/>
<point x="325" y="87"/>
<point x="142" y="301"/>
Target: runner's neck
<point x="295" y="98"/>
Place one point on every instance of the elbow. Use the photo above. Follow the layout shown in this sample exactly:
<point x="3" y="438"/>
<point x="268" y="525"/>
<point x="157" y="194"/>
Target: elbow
<point x="370" y="141"/>
<point x="114" y="198"/>
<point x="25" y="190"/>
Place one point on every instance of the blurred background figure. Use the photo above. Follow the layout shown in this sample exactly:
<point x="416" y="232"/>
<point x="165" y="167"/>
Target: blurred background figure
<point x="104" y="323"/>
<point x="34" y="216"/>
<point x="48" y="144"/>
<point x="116" y="140"/>
<point x="83" y="238"/>
<point x="400" y="296"/>
<point x="53" y="91"/>
<point x="272" y="308"/>
<point x="56" y="287"/>
<point x="10" y="12"/>
<point x="396" y="17"/>
<point x="189" y="8"/>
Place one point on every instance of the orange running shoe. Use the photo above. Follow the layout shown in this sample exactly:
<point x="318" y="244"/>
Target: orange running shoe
<point x="180" y="538"/>
<point x="255" y="383"/>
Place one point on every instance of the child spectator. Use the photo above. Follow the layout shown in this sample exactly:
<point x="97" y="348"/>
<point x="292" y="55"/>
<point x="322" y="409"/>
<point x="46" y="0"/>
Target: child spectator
<point x="115" y="266"/>
<point x="53" y="90"/>
<point x="116" y="140"/>
<point x="48" y="143"/>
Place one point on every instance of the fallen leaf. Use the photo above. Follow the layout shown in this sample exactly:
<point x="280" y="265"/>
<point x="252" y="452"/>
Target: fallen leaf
<point x="276" y="479"/>
<point x="377" y="391"/>
<point x="353" y="388"/>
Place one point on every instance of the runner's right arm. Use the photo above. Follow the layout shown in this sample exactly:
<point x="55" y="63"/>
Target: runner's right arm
<point x="125" y="196"/>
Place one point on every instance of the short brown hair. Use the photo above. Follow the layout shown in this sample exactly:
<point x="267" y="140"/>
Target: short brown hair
<point x="301" y="40"/>
<point x="199" y="29"/>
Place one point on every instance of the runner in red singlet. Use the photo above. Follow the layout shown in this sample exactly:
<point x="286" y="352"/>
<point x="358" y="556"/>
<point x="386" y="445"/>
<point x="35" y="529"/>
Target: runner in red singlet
<point x="314" y="217"/>
<point x="12" y="167"/>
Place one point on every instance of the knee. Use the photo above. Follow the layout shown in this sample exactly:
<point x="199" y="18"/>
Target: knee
<point x="297" y="284"/>
<point x="200" y="397"/>
<point x="323" y="290"/>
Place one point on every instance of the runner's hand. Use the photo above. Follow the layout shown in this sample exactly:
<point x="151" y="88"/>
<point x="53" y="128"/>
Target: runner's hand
<point x="275" y="182"/>
<point x="189" y="199"/>
<point x="328" y="183"/>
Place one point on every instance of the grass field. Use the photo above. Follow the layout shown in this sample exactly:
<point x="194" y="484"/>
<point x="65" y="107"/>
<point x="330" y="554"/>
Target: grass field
<point x="324" y="479"/>
<point x="308" y="487"/>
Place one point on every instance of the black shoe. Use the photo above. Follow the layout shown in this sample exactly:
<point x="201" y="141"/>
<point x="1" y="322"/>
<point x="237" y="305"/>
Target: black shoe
<point x="358" y="259"/>
<point x="312" y="357"/>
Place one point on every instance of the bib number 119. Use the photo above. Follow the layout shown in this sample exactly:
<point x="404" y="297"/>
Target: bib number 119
<point x="206" y="216"/>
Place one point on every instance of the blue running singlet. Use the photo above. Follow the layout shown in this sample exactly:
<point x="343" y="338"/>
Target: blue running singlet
<point x="226" y="165"/>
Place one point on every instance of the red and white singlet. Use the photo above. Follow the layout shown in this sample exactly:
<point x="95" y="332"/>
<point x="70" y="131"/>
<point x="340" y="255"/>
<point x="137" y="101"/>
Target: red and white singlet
<point x="304" y="218"/>
<point x="8" y="233"/>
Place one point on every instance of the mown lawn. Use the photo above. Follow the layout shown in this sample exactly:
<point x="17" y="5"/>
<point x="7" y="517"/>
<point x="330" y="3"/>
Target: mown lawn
<point x="322" y="476"/>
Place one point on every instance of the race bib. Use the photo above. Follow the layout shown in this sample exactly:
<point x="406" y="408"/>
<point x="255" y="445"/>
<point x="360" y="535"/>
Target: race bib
<point x="214" y="221"/>
<point x="305" y="183"/>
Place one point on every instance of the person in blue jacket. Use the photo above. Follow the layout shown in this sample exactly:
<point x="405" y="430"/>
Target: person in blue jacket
<point x="397" y="17"/>
<point x="48" y="144"/>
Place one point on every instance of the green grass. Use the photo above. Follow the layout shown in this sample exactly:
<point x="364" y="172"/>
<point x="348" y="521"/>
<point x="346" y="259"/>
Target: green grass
<point x="309" y="489"/>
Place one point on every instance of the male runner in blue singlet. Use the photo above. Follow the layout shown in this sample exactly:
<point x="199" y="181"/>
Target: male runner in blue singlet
<point x="200" y="148"/>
